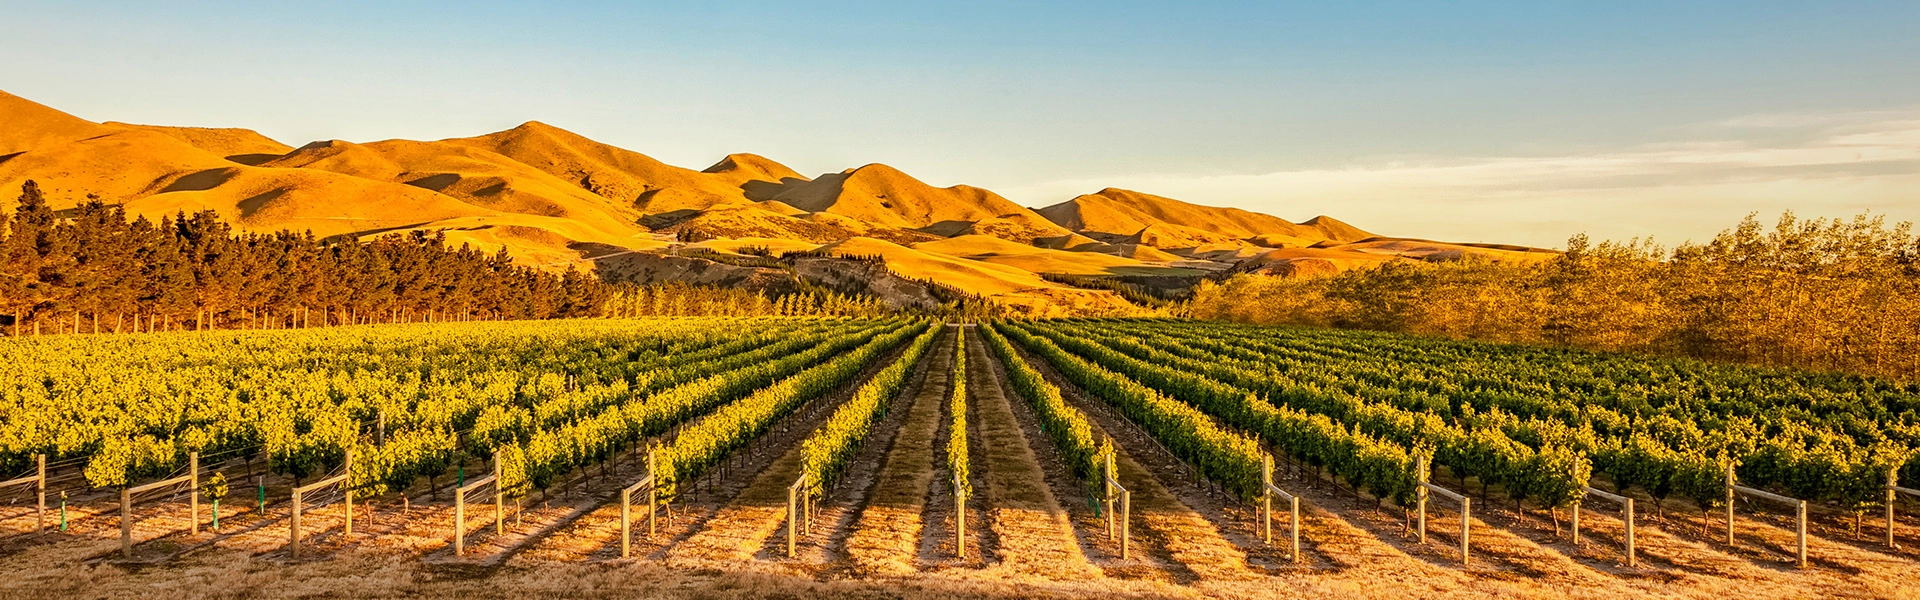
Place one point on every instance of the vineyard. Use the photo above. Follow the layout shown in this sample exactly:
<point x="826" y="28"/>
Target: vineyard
<point x="834" y="455"/>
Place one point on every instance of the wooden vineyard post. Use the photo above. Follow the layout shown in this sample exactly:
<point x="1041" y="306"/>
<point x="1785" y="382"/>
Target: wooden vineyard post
<point x="959" y="516"/>
<point x="1729" y="505"/>
<point x="293" y="530"/>
<point x="1420" y="495"/>
<point x="39" y="482"/>
<point x="1893" y="494"/>
<point x="1894" y="491"/>
<point x="1116" y="491"/>
<point x="346" y="493"/>
<point x="1106" y="476"/>
<point x="459" y="525"/>
<point x="796" y="494"/>
<point x="1632" y="558"/>
<point x="1466" y="516"/>
<point x="653" y="499"/>
<point x="40" y="519"/>
<point x="193" y="497"/>
<point x="1421" y="466"/>
<point x="1626" y="506"/>
<point x="345" y="481"/>
<point x="626" y="504"/>
<point x="499" y="500"/>
<point x="126" y="523"/>
<point x="460" y="507"/>
<point x="1800" y="531"/>
<point x="126" y="502"/>
<point x="1799" y="508"/>
<point x="1266" y="507"/>
<point x="1576" y="523"/>
<point x="626" y="527"/>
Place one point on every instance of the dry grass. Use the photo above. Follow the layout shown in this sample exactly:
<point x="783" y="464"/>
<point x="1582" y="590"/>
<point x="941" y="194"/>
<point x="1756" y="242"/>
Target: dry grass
<point x="886" y="537"/>
<point x="1035" y="536"/>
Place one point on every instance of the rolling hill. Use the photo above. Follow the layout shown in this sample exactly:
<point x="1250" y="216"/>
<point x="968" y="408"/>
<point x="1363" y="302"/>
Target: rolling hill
<point x="555" y="199"/>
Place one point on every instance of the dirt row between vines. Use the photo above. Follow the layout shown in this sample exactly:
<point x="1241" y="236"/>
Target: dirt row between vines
<point x="1032" y="521"/>
<point x="887" y="536"/>
<point x="1520" y="551"/>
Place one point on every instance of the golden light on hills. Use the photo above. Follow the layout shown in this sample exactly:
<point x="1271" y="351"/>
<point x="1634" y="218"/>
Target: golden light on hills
<point x="554" y="199"/>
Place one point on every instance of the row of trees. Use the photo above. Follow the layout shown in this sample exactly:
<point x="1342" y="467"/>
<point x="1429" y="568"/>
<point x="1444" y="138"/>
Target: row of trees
<point x="1829" y="294"/>
<point x="94" y="270"/>
<point x="91" y="269"/>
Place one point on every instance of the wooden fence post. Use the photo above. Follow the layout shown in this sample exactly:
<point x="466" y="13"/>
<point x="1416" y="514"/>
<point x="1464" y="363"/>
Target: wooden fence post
<point x="1576" y="523"/>
<point x="1420" y="495"/>
<point x="126" y="524"/>
<point x="959" y="516"/>
<point x="1295" y="509"/>
<point x="1893" y="482"/>
<point x="1801" y="532"/>
<point x="294" y="543"/>
<point x="1107" y="481"/>
<point x="1630" y="549"/>
<point x="459" y="521"/>
<point x="193" y="492"/>
<point x="40" y="520"/>
<point x="346" y="489"/>
<point x="1266" y="498"/>
<point x="499" y="499"/>
<point x="1730" y="497"/>
<point x="1466" y="518"/>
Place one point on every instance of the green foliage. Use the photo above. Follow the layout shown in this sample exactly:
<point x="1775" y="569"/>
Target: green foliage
<point x="957" y="460"/>
<point x="1069" y="429"/>
<point x="708" y="441"/>
<point x="214" y="488"/>
<point x="825" y="452"/>
<point x="1229" y="458"/>
<point x="1829" y="294"/>
<point x="1536" y="421"/>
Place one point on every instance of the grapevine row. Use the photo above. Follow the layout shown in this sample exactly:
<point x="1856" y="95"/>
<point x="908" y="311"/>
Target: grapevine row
<point x="1229" y="458"/>
<point x="957" y="460"/>
<point x="706" y="442"/>
<point x="1069" y="429"/>
<point x="825" y="452"/>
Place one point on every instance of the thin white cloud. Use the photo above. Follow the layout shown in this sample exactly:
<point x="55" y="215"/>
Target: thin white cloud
<point x="1835" y="164"/>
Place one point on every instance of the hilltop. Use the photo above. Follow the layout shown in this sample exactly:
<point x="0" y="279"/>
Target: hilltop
<point x="556" y="199"/>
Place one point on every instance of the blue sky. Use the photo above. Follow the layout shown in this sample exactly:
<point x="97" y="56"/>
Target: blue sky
<point x="1475" y="121"/>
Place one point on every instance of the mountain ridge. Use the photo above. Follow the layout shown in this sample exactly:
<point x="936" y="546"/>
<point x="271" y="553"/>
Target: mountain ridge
<point x="555" y="199"/>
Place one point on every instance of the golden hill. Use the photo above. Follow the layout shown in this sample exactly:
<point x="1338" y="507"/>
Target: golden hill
<point x="1118" y="213"/>
<point x="328" y="188"/>
<point x="1007" y="285"/>
<point x="884" y="196"/>
<point x="472" y="175"/>
<point x="608" y="171"/>
<point x="553" y="198"/>
<point x="1043" y="260"/>
<point x="244" y="146"/>
<point x="741" y="169"/>
<point x="32" y="125"/>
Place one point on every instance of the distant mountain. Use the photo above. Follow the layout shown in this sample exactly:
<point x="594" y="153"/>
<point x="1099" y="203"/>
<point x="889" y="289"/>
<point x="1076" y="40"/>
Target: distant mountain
<point x="554" y="199"/>
<point x="884" y="196"/>
<point x="1119" y="214"/>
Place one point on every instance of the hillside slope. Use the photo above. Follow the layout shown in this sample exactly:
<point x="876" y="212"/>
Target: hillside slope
<point x="554" y="199"/>
<point x="1118" y="213"/>
<point x="884" y="196"/>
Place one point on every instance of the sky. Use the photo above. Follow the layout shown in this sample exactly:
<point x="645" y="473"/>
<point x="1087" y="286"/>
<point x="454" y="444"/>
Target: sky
<point x="1515" y="122"/>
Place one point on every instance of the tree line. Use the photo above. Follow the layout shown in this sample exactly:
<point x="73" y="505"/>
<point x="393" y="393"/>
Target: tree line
<point x="91" y="270"/>
<point x="1826" y="294"/>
